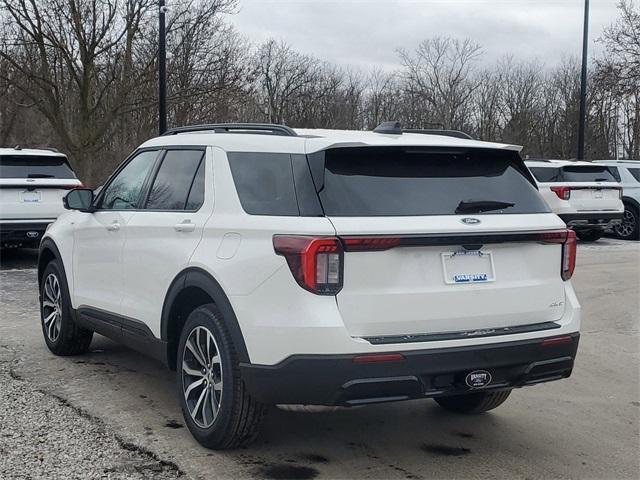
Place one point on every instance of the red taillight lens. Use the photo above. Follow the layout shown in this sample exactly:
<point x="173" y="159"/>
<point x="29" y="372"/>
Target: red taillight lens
<point x="563" y="193"/>
<point x="315" y="262"/>
<point x="563" y="340"/>
<point x="567" y="238"/>
<point x="369" y="244"/>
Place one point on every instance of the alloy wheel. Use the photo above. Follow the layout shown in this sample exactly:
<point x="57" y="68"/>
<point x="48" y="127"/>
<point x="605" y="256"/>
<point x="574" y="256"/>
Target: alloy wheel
<point x="202" y="376"/>
<point x="628" y="225"/>
<point x="52" y="307"/>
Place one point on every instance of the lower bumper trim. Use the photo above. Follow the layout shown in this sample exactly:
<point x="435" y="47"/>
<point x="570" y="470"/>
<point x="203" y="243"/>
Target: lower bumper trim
<point x="337" y="380"/>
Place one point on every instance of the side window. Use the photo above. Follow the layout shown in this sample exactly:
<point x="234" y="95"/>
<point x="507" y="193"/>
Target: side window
<point x="616" y="174"/>
<point x="123" y="193"/>
<point x="174" y="179"/>
<point x="264" y="182"/>
<point x="635" y="172"/>
<point x="196" y="195"/>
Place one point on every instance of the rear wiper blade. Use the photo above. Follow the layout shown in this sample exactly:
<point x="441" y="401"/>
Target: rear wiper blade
<point x="39" y="175"/>
<point x="477" y="206"/>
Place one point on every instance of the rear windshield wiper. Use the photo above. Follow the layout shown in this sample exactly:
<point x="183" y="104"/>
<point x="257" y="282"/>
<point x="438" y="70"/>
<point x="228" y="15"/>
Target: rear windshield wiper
<point x="477" y="206"/>
<point x="39" y="175"/>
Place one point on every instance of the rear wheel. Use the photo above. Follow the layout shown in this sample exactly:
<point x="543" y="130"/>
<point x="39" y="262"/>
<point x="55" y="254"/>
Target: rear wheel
<point x="471" y="403"/>
<point x="589" y="235"/>
<point x="61" y="334"/>
<point x="629" y="229"/>
<point x="218" y="410"/>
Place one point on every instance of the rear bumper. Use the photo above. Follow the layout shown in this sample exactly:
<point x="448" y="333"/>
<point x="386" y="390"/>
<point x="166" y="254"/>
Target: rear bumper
<point x="23" y="232"/>
<point x="603" y="220"/>
<point x="337" y="380"/>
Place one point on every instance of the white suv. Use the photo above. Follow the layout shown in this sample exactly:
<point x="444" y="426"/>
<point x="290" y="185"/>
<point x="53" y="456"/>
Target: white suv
<point x="317" y="267"/>
<point x="32" y="184"/>
<point x="586" y="195"/>
<point x="627" y="172"/>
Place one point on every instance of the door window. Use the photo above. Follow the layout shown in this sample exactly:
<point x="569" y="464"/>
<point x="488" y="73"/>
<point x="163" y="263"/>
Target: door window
<point x="175" y="180"/>
<point x="123" y="193"/>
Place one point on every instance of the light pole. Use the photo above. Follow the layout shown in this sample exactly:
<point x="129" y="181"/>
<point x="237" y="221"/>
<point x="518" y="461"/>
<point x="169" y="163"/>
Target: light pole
<point x="583" y="82"/>
<point x="162" y="68"/>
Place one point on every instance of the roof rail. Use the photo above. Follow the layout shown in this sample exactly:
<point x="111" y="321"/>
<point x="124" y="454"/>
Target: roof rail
<point x="437" y="131"/>
<point x="255" y="128"/>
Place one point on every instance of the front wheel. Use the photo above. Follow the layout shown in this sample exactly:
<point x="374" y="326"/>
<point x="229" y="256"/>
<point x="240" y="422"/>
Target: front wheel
<point x="218" y="410"/>
<point x="61" y="334"/>
<point x="629" y="229"/>
<point x="470" y="403"/>
<point x="589" y="235"/>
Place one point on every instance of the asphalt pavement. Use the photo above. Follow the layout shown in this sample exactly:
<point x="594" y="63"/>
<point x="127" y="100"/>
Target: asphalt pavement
<point x="113" y="413"/>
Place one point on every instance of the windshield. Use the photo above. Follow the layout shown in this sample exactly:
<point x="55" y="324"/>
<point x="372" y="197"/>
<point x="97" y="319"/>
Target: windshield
<point x="578" y="173"/>
<point x="33" y="166"/>
<point x="390" y="181"/>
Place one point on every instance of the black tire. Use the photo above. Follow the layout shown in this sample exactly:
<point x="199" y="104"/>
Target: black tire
<point x="630" y="227"/>
<point x="471" y="403"/>
<point x="70" y="338"/>
<point x="590" y="235"/>
<point x="239" y="416"/>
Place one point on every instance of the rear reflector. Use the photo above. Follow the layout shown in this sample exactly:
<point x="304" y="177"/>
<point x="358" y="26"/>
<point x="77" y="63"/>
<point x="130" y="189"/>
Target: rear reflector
<point x="547" y="342"/>
<point x="378" y="358"/>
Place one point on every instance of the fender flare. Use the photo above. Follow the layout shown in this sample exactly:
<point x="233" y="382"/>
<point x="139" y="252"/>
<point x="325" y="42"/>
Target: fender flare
<point x="197" y="277"/>
<point x="631" y="201"/>
<point x="48" y="244"/>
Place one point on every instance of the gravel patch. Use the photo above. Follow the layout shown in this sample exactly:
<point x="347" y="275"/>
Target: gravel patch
<point x="43" y="436"/>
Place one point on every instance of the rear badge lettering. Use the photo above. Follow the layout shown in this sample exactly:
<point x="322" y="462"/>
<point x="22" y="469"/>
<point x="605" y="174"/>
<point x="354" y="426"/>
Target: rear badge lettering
<point x="476" y="277"/>
<point x="478" y="379"/>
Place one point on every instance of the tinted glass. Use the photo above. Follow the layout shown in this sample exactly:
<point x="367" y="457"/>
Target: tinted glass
<point x="172" y="184"/>
<point x="264" y="182"/>
<point x="397" y="182"/>
<point x="196" y="195"/>
<point x="123" y="193"/>
<point x="616" y="174"/>
<point x="32" y="166"/>
<point x="546" y="174"/>
<point x="587" y="174"/>
<point x="635" y="172"/>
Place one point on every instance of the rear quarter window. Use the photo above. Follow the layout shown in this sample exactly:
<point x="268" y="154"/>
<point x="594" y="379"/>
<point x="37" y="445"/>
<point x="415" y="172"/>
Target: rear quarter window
<point x="264" y="182"/>
<point x="35" y="166"/>
<point x="635" y="173"/>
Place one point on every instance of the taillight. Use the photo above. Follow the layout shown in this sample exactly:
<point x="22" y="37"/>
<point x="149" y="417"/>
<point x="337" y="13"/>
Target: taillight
<point x="563" y="193"/>
<point x="315" y="262"/>
<point x="567" y="238"/>
<point x="369" y="244"/>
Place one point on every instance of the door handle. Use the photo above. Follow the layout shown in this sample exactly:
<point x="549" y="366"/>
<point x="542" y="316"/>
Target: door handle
<point x="185" y="226"/>
<point x="114" y="227"/>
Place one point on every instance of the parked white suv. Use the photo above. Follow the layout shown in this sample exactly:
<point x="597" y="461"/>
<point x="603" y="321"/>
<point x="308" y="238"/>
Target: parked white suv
<point x="586" y="195"/>
<point x="317" y="267"/>
<point x="32" y="185"/>
<point x="627" y="172"/>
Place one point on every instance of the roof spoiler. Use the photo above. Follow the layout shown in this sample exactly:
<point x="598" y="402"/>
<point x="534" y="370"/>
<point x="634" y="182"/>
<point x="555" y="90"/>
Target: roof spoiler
<point x="395" y="128"/>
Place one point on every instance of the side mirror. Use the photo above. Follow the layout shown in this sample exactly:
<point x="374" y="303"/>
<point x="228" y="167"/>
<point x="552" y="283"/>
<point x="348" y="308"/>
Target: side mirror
<point x="79" y="199"/>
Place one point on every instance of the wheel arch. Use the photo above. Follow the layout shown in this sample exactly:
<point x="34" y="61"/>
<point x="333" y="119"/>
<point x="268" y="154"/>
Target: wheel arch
<point x="190" y="289"/>
<point x="49" y="251"/>
<point x="631" y="201"/>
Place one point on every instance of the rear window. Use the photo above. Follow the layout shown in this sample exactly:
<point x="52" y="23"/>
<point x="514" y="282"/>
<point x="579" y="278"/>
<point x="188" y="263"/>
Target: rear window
<point x="578" y="173"/>
<point x="403" y="181"/>
<point x="264" y="182"/>
<point x="33" y="166"/>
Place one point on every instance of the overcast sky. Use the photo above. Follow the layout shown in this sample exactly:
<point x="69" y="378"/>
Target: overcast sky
<point x="367" y="32"/>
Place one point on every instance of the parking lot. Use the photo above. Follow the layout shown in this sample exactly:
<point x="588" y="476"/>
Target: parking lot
<point x="113" y="413"/>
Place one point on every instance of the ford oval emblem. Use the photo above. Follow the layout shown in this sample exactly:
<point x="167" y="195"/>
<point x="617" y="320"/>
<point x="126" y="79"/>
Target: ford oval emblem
<point x="470" y="221"/>
<point x="478" y="379"/>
